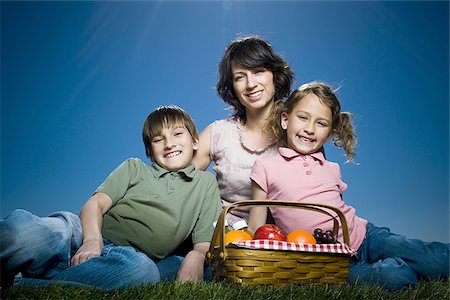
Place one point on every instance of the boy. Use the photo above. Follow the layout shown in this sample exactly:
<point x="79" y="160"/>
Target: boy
<point x="132" y="223"/>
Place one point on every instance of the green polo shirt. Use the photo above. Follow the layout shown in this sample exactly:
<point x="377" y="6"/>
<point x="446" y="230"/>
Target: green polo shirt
<point x="155" y="210"/>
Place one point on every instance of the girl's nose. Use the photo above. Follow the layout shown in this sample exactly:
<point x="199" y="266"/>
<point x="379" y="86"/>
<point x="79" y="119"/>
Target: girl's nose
<point x="309" y="128"/>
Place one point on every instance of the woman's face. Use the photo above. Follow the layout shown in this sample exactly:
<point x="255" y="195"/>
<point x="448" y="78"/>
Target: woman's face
<point x="254" y="88"/>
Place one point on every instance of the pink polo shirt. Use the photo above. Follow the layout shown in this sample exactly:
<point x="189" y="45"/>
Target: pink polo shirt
<point x="292" y="176"/>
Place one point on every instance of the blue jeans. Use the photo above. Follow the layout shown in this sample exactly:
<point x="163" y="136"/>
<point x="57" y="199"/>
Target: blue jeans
<point x="41" y="249"/>
<point x="394" y="261"/>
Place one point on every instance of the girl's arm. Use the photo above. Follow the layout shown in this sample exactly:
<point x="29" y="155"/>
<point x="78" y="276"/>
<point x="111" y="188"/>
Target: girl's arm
<point x="91" y="217"/>
<point x="202" y="157"/>
<point x="258" y="214"/>
<point x="192" y="267"/>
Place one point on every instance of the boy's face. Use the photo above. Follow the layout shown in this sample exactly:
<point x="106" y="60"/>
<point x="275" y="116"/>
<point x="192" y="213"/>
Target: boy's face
<point x="173" y="148"/>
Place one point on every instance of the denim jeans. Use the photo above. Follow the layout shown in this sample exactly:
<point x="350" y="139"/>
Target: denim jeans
<point x="394" y="261"/>
<point x="41" y="249"/>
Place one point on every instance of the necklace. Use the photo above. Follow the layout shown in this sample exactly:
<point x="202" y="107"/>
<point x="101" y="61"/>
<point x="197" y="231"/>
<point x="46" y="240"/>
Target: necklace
<point x="246" y="146"/>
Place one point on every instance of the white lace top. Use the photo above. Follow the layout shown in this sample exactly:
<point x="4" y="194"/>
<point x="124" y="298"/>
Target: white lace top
<point x="233" y="164"/>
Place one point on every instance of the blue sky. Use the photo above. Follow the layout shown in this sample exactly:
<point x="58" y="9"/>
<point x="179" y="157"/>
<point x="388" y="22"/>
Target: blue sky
<point x="78" y="80"/>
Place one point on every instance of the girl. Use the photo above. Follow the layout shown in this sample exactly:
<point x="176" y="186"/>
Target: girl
<point x="252" y="77"/>
<point x="300" y="172"/>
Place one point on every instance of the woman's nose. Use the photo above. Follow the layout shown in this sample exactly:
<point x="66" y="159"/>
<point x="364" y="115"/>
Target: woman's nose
<point x="251" y="81"/>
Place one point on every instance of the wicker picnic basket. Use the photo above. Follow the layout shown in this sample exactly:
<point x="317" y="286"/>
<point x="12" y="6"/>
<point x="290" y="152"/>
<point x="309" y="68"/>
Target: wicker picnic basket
<point x="277" y="267"/>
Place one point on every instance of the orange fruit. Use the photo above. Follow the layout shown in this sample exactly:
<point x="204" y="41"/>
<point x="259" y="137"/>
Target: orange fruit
<point x="236" y="236"/>
<point x="301" y="236"/>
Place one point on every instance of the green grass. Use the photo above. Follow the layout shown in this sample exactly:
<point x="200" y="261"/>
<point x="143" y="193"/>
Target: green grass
<point x="172" y="290"/>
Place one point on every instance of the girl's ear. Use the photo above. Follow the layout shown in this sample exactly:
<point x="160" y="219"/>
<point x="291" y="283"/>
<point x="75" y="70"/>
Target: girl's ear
<point x="332" y="133"/>
<point x="284" y="120"/>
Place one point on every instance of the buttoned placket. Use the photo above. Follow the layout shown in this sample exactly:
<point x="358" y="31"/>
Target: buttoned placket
<point x="171" y="183"/>
<point x="307" y="165"/>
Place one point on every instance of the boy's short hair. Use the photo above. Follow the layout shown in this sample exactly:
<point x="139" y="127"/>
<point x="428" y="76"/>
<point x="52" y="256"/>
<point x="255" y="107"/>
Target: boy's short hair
<point x="162" y="117"/>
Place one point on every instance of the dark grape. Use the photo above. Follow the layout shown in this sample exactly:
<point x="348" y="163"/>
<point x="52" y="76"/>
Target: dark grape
<point x="329" y="238"/>
<point x="326" y="237"/>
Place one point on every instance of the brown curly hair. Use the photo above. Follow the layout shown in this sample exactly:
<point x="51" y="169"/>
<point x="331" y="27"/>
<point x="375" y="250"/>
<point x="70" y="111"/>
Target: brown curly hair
<point x="252" y="52"/>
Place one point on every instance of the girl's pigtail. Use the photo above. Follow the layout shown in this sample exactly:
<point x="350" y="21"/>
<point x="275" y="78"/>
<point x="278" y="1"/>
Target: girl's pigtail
<point x="274" y="129"/>
<point x="345" y="136"/>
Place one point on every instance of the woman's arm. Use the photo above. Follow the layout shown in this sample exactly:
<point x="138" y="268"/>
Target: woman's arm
<point x="202" y="157"/>
<point x="258" y="214"/>
<point x="91" y="217"/>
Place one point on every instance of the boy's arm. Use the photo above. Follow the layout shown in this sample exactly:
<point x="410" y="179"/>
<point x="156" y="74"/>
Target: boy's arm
<point x="258" y="214"/>
<point x="91" y="217"/>
<point x="192" y="267"/>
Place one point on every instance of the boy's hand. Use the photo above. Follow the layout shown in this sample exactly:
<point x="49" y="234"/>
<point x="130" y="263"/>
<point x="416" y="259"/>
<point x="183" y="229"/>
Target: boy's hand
<point x="88" y="250"/>
<point x="193" y="265"/>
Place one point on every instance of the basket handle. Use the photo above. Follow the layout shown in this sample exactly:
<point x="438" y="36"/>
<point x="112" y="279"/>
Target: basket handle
<point x="220" y="227"/>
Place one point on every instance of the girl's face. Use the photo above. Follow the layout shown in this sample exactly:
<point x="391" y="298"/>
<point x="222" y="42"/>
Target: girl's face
<point x="254" y="88"/>
<point x="308" y="126"/>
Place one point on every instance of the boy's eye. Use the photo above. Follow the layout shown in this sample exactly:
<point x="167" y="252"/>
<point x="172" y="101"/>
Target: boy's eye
<point x="157" y="140"/>
<point x="178" y="133"/>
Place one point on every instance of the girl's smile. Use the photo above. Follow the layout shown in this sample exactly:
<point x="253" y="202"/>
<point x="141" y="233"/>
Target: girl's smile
<point x="308" y="126"/>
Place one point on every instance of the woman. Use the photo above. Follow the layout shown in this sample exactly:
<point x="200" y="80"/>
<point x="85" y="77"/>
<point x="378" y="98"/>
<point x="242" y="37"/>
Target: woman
<point x="253" y="79"/>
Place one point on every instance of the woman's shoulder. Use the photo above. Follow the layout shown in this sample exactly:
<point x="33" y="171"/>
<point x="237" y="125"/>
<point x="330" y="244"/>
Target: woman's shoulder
<point x="226" y="122"/>
<point x="224" y="132"/>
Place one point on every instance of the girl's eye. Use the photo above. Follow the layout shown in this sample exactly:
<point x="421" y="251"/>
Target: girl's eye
<point x="302" y="117"/>
<point x="178" y="133"/>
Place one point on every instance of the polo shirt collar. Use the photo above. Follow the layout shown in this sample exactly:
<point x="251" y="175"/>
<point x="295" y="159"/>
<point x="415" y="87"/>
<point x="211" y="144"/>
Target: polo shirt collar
<point x="159" y="171"/>
<point x="290" y="153"/>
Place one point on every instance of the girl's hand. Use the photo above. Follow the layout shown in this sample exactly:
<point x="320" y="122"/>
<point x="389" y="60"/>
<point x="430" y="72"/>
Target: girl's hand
<point x="88" y="250"/>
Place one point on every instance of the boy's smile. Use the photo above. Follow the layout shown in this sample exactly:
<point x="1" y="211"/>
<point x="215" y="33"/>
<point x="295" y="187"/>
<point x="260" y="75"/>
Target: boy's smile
<point x="173" y="148"/>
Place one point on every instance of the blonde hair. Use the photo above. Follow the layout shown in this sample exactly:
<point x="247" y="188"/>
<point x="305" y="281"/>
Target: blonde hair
<point x="344" y="136"/>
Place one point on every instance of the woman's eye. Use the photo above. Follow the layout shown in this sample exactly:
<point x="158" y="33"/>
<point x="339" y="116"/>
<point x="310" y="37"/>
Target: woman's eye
<point x="237" y="78"/>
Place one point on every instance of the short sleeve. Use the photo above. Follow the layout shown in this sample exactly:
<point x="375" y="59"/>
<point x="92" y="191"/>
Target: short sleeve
<point x="337" y="171"/>
<point x="259" y="174"/>
<point x="210" y="210"/>
<point x="118" y="181"/>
